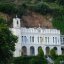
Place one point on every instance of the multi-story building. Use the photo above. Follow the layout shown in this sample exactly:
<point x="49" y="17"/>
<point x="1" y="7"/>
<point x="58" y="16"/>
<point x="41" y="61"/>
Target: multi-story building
<point x="31" y="39"/>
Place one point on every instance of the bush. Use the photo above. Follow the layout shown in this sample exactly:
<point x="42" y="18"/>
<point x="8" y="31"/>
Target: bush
<point x="40" y="52"/>
<point x="12" y="9"/>
<point x="8" y="8"/>
<point x="58" y="23"/>
<point x="40" y="8"/>
<point x="53" y="54"/>
<point x="29" y="60"/>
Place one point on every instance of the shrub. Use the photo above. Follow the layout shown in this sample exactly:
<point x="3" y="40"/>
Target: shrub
<point x="53" y="54"/>
<point x="8" y="8"/>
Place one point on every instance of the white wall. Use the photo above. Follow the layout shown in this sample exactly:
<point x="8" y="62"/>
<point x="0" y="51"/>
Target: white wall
<point x="36" y="32"/>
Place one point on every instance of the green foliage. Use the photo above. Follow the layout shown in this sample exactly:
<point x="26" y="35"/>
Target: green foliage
<point x="23" y="60"/>
<point x="49" y="1"/>
<point x="53" y="54"/>
<point x="12" y="9"/>
<point x="29" y="60"/>
<point x="2" y="21"/>
<point x="40" y="52"/>
<point x="39" y="59"/>
<point x="55" y="8"/>
<point x="61" y="2"/>
<point x="40" y="8"/>
<point x="58" y="23"/>
<point x="7" y="8"/>
<point x="59" y="59"/>
<point x="7" y="43"/>
<point x="6" y="1"/>
<point x="21" y="9"/>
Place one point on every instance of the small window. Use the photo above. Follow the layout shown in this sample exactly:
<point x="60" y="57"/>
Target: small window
<point x="38" y="39"/>
<point x="22" y="38"/>
<point x="41" y="39"/>
<point x="17" y="22"/>
<point x="56" y="39"/>
<point x="45" y="39"/>
<point x="63" y="40"/>
<point x="53" y="39"/>
<point x="48" y="39"/>
<point x="30" y="38"/>
<point x="25" y="39"/>
<point x="33" y="39"/>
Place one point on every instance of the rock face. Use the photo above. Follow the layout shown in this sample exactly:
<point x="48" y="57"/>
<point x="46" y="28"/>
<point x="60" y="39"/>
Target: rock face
<point x="30" y="19"/>
<point x="35" y="20"/>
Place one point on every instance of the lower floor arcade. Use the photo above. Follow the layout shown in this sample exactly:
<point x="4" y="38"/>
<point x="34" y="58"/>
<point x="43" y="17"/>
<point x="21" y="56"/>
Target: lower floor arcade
<point x="33" y="50"/>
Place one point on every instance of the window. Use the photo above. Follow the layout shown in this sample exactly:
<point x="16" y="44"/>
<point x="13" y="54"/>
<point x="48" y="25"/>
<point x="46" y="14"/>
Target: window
<point x="56" y="39"/>
<point x="38" y="39"/>
<point x="41" y="39"/>
<point x="17" y="22"/>
<point x="30" y="38"/>
<point x="53" y="39"/>
<point x="45" y="39"/>
<point x="33" y="39"/>
<point x="25" y="39"/>
<point x="48" y="39"/>
<point x="22" y="38"/>
<point x="63" y="40"/>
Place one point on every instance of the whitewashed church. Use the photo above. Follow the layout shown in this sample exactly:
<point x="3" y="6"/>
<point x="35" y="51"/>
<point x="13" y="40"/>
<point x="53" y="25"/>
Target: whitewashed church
<point x="31" y="39"/>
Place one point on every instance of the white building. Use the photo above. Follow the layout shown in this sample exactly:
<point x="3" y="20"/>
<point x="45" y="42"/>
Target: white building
<point x="31" y="39"/>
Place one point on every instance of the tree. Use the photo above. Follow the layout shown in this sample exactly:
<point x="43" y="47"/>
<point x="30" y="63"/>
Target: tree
<point x="53" y="54"/>
<point x="41" y="58"/>
<point x="40" y="52"/>
<point x="7" y="43"/>
<point x="49" y="1"/>
<point x="61" y="2"/>
<point x="32" y="61"/>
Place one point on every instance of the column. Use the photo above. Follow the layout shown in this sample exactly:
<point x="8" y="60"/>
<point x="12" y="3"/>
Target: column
<point x="28" y="51"/>
<point x="36" y="50"/>
<point x="59" y="50"/>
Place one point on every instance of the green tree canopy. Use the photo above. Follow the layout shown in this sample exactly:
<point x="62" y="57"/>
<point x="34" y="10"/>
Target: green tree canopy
<point x="7" y="43"/>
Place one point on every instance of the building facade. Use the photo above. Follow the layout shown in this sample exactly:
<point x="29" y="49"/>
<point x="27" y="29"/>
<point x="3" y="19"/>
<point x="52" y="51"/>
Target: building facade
<point x="31" y="39"/>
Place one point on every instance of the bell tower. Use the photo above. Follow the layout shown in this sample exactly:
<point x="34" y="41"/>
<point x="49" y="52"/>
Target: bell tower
<point x="16" y="22"/>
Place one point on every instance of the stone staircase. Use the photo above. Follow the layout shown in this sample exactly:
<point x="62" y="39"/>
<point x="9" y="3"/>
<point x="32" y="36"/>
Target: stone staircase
<point x="49" y="60"/>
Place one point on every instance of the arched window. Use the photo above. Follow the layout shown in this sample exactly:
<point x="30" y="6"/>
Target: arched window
<point x="62" y="49"/>
<point x="55" y="48"/>
<point x="39" y="48"/>
<point x="32" y="51"/>
<point x="47" y="50"/>
<point x="24" y="51"/>
<point x="17" y="22"/>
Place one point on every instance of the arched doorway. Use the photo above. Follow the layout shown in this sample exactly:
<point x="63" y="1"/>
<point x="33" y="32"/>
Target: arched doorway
<point x="39" y="48"/>
<point x="47" y="50"/>
<point x="32" y="51"/>
<point x="24" y="51"/>
<point x="55" y="48"/>
<point x="62" y="49"/>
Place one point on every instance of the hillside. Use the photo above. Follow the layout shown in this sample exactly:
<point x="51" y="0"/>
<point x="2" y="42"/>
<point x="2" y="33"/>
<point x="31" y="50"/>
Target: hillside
<point x="49" y="14"/>
<point x="33" y="19"/>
